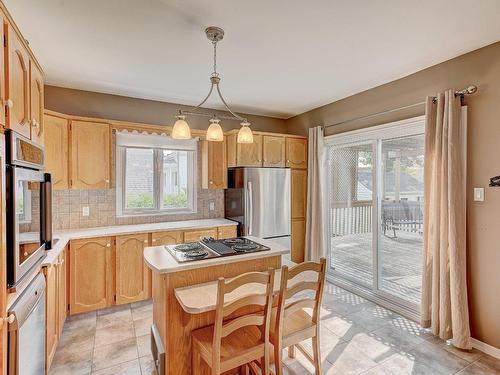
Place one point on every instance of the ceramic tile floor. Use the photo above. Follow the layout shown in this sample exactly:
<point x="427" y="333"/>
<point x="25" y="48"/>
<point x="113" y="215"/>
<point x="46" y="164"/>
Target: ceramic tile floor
<point x="357" y="337"/>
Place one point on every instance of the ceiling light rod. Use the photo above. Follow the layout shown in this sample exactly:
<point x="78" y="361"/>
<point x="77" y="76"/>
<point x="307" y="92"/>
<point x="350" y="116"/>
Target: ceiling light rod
<point x="202" y="114"/>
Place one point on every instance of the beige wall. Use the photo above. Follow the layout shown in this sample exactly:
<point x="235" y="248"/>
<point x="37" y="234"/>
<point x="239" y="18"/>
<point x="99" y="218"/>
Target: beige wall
<point x="482" y="68"/>
<point x="115" y="107"/>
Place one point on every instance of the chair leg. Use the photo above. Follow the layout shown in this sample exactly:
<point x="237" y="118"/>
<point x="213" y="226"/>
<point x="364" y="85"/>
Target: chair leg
<point x="316" y="354"/>
<point x="291" y="351"/>
<point x="278" y="352"/>
<point x="244" y="370"/>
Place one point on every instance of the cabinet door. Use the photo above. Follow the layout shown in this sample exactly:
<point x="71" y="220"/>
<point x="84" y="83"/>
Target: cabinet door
<point x="62" y="302"/>
<point x="166" y="238"/>
<point x="299" y="193"/>
<point x="197" y="235"/>
<point x="296" y="153"/>
<point x="250" y="154"/>
<point x="273" y="151"/>
<point x="51" y="331"/>
<point x="231" y="150"/>
<point x="18" y="85"/>
<point x="298" y="240"/>
<point x="36" y="104"/>
<point x="227" y="232"/>
<point x="91" y="279"/>
<point x="90" y="157"/>
<point x="132" y="274"/>
<point x="3" y="97"/>
<point x="214" y="167"/>
<point x="56" y="150"/>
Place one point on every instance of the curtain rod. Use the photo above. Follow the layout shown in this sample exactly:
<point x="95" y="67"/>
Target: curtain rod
<point x="467" y="91"/>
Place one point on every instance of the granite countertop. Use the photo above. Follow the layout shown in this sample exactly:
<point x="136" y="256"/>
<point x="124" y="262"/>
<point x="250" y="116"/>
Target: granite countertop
<point x="160" y="260"/>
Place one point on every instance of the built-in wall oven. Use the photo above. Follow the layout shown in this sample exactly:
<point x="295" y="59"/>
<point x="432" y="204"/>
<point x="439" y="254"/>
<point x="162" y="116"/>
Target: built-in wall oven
<point x="28" y="207"/>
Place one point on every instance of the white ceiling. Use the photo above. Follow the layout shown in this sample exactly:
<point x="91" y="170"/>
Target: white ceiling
<point x="278" y="58"/>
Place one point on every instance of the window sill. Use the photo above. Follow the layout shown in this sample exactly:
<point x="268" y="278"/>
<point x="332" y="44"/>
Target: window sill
<point x="156" y="213"/>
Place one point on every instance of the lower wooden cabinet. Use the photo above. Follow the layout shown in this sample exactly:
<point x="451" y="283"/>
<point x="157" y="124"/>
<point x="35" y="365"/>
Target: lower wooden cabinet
<point x="133" y="277"/>
<point x="298" y="239"/>
<point x="51" y="310"/>
<point x="91" y="274"/>
<point x="166" y="238"/>
<point x="196" y="235"/>
<point x="55" y="305"/>
<point x="226" y="232"/>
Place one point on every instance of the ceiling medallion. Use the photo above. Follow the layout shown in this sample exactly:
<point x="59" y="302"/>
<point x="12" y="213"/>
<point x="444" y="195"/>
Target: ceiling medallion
<point x="181" y="128"/>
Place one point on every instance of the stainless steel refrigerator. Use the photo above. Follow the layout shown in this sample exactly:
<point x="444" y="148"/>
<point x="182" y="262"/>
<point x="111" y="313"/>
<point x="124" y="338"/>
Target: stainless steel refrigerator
<point x="259" y="200"/>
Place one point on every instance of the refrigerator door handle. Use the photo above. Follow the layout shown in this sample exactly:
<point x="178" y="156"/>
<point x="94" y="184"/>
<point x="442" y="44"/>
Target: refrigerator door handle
<point x="250" y="207"/>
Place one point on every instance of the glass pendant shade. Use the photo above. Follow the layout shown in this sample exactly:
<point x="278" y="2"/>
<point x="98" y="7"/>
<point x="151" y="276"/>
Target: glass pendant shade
<point x="245" y="134"/>
<point x="181" y="129"/>
<point x="214" y="131"/>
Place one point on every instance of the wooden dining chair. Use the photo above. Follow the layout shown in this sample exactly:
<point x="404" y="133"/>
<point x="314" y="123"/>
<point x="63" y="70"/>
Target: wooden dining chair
<point x="291" y="324"/>
<point x="233" y="343"/>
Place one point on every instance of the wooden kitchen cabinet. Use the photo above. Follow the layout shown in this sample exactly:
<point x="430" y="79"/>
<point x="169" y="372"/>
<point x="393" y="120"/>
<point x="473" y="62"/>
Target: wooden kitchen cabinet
<point x="133" y="279"/>
<point x="197" y="235"/>
<point x="90" y="155"/>
<point x="298" y="240"/>
<point x="166" y="238"/>
<point x="3" y="98"/>
<point x="91" y="274"/>
<point x="273" y="151"/>
<point x="250" y="154"/>
<point x="51" y="310"/>
<point x="56" y="150"/>
<point x="299" y="193"/>
<point x="296" y="153"/>
<point x="18" y="84"/>
<point x="36" y="104"/>
<point x="214" y="165"/>
<point x="62" y="290"/>
<point x="226" y="232"/>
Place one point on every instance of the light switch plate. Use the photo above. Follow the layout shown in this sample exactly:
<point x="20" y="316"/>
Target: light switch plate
<point x="211" y="206"/>
<point x="85" y="211"/>
<point x="479" y="194"/>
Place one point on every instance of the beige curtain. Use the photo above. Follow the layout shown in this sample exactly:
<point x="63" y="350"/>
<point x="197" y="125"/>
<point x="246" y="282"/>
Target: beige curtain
<point x="444" y="284"/>
<point x="315" y="246"/>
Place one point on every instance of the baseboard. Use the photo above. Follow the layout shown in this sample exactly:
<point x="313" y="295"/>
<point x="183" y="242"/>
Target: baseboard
<point x="485" y="348"/>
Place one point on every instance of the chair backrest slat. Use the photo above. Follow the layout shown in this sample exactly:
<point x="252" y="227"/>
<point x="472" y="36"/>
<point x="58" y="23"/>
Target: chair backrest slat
<point x="292" y="308"/>
<point x="263" y="283"/>
<point x="300" y="287"/>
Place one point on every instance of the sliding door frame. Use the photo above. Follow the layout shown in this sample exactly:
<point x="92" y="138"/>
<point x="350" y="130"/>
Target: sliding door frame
<point x="374" y="135"/>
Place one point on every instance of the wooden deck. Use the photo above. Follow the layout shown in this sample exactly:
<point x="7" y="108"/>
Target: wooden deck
<point x="400" y="258"/>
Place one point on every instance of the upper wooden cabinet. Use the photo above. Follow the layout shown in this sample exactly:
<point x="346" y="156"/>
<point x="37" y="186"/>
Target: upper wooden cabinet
<point x="3" y="98"/>
<point x="132" y="274"/>
<point x="90" y="155"/>
<point x="249" y="154"/>
<point x="36" y="104"/>
<point x="56" y="150"/>
<point x="91" y="278"/>
<point x="166" y="238"/>
<point x="296" y="153"/>
<point x="18" y="85"/>
<point x="214" y="165"/>
<point x="273" y="151"/>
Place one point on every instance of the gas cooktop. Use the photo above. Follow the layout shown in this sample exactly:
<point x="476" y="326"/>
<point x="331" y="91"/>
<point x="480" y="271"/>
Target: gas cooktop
<point x="211" y="248"/>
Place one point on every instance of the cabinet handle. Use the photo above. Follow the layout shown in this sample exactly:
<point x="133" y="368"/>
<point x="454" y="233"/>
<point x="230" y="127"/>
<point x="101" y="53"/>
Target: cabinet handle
<point x="211" y="182"/>
<point x="9" y="103"/>
<point x="11" y="318"/>
<point x="26" y="254"/>
<point x="145" y="241"/>
<point x="108" y="245"/>
<point x="61" y="262"/>
<point x="154" y="239"/>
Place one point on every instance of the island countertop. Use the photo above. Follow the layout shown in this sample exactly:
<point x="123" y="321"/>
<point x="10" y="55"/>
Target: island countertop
<point x="161" y="261"/>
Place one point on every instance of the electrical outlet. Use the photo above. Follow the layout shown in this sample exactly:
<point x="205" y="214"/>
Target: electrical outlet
<point x="479" y="194"/>
<point x="211" y="206"/>
<point x="85" y="211"/>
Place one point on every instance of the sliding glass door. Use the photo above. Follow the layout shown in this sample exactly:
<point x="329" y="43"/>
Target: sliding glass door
<point x="375" y="210"/>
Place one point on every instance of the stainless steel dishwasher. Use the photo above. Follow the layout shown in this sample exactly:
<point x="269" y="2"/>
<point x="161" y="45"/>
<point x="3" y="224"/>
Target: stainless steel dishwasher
<point x="27" y="331"/>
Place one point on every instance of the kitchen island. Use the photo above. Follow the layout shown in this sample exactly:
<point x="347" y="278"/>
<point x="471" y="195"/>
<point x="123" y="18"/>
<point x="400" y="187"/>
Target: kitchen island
<point x="173" y="324"/>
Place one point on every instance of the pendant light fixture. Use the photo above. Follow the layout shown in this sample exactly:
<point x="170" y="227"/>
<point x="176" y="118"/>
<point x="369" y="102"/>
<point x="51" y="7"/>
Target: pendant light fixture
<point x="181" y="128"/>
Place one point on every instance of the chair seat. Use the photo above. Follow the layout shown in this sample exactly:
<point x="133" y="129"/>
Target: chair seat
<point x="297" y="325"/>
<point x="245" y="342"/>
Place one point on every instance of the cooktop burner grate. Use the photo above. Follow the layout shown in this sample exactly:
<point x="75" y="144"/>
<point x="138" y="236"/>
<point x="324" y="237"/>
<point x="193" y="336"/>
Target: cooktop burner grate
<point x="245" y="247"/>
<point x="188" y="247"/>
<point x="196" y="253"/>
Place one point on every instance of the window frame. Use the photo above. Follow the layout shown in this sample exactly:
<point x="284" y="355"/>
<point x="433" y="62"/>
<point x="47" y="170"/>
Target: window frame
<point x="158" y="209"/>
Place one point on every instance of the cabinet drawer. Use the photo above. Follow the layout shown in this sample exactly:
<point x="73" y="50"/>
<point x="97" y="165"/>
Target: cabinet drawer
<point x="197" y="235"/>
<point x="227" y="232"/>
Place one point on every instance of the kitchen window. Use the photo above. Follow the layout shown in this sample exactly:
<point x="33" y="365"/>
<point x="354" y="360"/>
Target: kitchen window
<point x="155" y="175"/>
